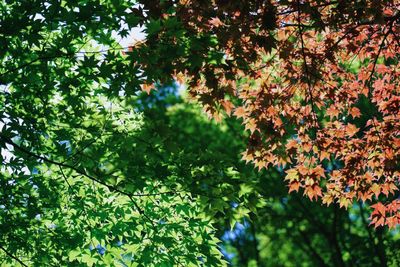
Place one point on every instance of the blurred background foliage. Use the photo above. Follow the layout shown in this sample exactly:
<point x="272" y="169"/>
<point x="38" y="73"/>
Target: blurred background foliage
<point x="258" y="223"/>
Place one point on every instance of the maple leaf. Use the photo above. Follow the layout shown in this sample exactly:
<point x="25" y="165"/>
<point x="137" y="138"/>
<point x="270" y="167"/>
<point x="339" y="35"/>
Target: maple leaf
<point x="327" y="199"/>
<point x="313" y="191"/>
<point x="332" y="112"/>
<point x="216" y="22"/>
<point x="378" y="216"/>
<point x="355" y="112"/>
<point x="303" y="170"/>
<point x="324" y="155"/>
<point x="392" y="222"/>
<point x="147" y="87"/>
<point x="364" y="196"/>
<point x="291" y="144"/>
<point x="389" y="187"/>
<point x="240" y="112"/>
<point x="351" y="129"/>
<point x="378" y="221"/>
<point x="294" y="186"/>
<point x="319" y="171"/>
<point x="379" y="84"/>
<point x="379" y="209"/>
<point x="180" y="78"/>
<point x="368" y="177"/>
<point x="381" y="69"/>
<point x="247" y="157"/>
<point x="260" y="164"/>
<point x="251" y="125"/>
<point x="292" y="175"/>
<point x="228" y="106"/>
<point x="376" y="189"/>
<point x="394" y="206"/>
<point x="344" y="202"/>
<point x="307" y="146"/>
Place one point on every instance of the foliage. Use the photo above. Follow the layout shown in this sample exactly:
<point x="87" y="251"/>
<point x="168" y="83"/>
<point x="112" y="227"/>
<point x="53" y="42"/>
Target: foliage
<point x="96" y="172"/>
<point x="316" y="83"/>
<point x="277" y="229"/>
<point x="87" y="176"/>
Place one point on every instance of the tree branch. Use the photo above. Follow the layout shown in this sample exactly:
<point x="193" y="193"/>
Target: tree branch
<point x="79" y="171"/>
<point x="315" y="118"/>
<point x="337" y="254"/>
<point x="9" y="254"/>
<point x="370" y="237"/>
<point x="307" y="242"/>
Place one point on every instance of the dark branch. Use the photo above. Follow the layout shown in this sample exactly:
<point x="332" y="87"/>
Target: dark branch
<point x="79" y="171"/>
<point x="9" y="254"/>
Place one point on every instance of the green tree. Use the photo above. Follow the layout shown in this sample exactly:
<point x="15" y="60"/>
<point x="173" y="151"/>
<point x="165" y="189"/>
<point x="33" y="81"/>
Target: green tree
<point x="87" y="177"/>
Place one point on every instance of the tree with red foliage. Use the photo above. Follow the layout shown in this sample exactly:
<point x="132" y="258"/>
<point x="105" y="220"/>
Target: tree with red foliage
<point x="316" y="84"/>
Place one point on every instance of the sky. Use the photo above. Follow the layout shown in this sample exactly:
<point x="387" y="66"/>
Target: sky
<point x="136" y="34"/>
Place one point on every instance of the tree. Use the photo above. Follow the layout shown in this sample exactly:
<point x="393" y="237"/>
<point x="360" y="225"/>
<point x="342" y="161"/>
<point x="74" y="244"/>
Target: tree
<point x="315" y="82"/>
<point x="86" y="178"/>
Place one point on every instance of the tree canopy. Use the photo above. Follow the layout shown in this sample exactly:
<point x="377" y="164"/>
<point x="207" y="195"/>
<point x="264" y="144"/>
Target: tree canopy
<point x="106" y="160"/>
<point x="299" y="73"/>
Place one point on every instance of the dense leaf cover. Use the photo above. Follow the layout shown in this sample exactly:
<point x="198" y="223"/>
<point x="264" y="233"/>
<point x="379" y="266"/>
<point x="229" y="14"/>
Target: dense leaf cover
<point x="86" y="178"/>
<point x="316" y="83"/>
<point x="96" y="172"/>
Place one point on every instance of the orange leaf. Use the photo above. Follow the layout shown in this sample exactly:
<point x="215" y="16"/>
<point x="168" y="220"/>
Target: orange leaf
<point x="294" y="186"/>
<point x="147" y="87"/>
<point x="376" y="189"/>
<point x="351" y="129"/>
<point x="228" y="106"/>
<point x="379" y="209"/>
<point x="332" y="112"/>
<point x="251" y="125"/>
<point x="355" y="112"/>
<point x="240" y="112"/>
<point x="216" y="22"/>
